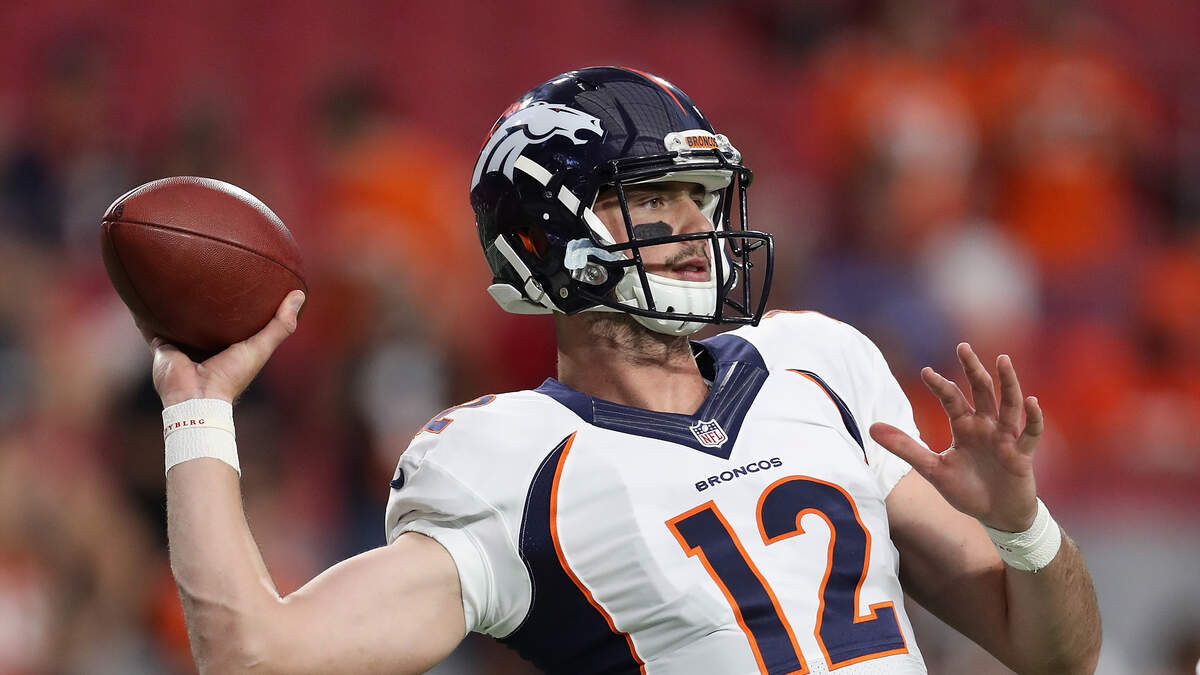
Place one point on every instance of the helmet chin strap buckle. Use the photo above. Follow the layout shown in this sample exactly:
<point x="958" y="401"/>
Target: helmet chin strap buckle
<point x="511" y="300"/>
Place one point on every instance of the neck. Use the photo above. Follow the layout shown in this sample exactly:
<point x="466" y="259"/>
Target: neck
<point x="611" y="356"/>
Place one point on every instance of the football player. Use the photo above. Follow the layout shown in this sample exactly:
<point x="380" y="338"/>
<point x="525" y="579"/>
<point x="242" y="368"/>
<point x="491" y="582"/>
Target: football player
<point x="757" y="502"/>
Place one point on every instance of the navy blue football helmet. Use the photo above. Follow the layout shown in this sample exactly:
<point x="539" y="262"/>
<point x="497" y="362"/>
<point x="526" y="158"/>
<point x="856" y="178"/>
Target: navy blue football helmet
<point x="547" y="159"/>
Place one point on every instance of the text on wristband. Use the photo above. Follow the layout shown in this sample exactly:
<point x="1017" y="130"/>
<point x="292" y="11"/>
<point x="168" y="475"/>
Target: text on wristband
<point x="183" y="423"/>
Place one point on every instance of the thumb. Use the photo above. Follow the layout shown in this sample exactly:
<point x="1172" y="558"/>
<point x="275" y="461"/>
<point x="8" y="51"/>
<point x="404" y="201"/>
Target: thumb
<point x="264" y="343"/>
<point x="906" y="448"/>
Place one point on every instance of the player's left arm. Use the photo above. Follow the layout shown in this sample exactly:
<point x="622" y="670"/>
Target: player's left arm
<point x="1035" y="622"/>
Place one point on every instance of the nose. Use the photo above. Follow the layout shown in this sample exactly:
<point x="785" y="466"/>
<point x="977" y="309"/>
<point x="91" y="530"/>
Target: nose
<point x="693" y="219"/>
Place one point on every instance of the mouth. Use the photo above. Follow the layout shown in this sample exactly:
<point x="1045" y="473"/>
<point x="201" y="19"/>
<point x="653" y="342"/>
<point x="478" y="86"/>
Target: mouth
<point x="692" y="269"/>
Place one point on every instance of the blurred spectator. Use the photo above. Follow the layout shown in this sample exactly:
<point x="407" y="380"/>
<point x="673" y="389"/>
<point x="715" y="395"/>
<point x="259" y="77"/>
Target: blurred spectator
<point x="73" y="163"/>
<point x="199" y="140"/>
<point x="1071" y="128"/>
<point x="395" y="213"/>
<point x="890" y="129"/>
<point x="987" y="285"/>
<point x="1169" y="301"/>
<point x="72" y="560"/>
<point x="400" y="238"/>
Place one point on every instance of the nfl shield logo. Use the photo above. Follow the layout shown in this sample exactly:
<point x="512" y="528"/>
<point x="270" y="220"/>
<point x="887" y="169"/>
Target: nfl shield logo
<point x="710" y="434"/>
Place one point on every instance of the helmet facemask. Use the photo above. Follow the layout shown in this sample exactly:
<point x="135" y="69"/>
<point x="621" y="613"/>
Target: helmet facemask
<point x="666" y="304"/>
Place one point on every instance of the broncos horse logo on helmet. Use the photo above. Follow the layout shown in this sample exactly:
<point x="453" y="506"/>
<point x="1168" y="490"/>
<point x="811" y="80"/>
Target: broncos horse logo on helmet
<point x="546" y="161"/>
<point x="534" y="124"/>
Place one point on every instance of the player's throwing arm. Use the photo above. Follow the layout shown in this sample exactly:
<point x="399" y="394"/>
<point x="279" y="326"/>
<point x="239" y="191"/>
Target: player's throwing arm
<point x="396" y="609"/>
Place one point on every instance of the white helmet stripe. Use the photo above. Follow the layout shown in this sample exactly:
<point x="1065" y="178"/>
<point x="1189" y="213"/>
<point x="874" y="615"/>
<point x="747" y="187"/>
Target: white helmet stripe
<point x="568" y="199"/>
<point x="533" y="169"/>
<point x="593" y="221"/>
<point x="541" y="175"/>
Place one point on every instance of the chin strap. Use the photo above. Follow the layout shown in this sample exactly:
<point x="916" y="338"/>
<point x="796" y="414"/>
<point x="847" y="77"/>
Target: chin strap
<point x="509" y="298"/>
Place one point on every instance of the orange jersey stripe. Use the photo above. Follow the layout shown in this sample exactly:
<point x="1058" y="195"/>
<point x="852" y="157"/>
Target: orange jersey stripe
<point x="562" y="560"/>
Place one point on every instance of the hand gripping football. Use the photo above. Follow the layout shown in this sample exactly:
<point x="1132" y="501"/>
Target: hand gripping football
<point x="199" y="262"/>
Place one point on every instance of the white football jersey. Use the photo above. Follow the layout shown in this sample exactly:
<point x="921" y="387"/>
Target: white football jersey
<point x="751" y="537"/>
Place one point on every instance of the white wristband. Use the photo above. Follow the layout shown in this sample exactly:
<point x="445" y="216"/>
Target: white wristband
<point x="1032" y="549"/>
<point x="200" y="427"/>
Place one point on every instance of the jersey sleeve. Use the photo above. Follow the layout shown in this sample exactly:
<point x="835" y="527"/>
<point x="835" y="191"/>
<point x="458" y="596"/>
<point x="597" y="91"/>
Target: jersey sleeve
<point x="429" y="499"/>
<point x="855" y="369"/>
<point x="880" y="399"/>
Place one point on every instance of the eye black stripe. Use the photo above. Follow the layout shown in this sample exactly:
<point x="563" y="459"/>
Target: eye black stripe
<point x="652" y="230"/>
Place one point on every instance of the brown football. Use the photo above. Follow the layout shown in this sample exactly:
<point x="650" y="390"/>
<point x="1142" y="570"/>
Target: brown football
<point x="198" y="261"/>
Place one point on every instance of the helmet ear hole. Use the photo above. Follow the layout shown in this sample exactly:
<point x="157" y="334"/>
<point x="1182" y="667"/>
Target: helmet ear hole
<point x="528" y="242"/>
<point x="534" y="241"/>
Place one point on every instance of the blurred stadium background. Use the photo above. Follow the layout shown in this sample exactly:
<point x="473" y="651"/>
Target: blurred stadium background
<point x="1022" y="175"/>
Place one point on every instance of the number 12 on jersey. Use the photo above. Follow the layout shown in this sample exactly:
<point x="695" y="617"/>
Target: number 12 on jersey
<point x="844" y="636"/>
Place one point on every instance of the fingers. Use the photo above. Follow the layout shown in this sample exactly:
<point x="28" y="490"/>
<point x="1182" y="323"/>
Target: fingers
<point x="163" y="352"/>
<point x="159" y="347"/>
<point x="983" y="391"/>
<point x="153" y="340"/>
<point x="1010" y="394"/>
<point x="163" y="349"/>
<point x="952" y="398"/>
<point x="166" y="356"/>
<point x="264" y="343"/>
<point x="906" y="448"/>
<point x="1034" y="425"/>
<point x="226" y="374"/>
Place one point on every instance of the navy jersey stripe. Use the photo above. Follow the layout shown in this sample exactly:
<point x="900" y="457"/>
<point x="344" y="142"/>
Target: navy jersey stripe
<point x="843" y="409"/>
<point x="564" y="631"/>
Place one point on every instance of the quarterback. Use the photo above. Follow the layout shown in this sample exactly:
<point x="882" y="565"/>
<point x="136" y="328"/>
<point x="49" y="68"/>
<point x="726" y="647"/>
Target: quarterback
<point x="756" y="502"/>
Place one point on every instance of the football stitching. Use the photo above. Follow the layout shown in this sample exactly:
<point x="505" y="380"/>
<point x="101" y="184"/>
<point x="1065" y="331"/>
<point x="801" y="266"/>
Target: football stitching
<point x="222" y="241"/>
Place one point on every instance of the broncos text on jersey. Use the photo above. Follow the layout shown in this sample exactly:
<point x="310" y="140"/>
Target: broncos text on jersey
<point x="750" y="537"/>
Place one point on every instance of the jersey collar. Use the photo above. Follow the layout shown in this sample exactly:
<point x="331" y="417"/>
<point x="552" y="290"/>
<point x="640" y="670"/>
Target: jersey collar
<point x="738" y="374"/>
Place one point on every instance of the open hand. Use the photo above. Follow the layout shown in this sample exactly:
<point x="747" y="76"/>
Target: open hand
<point x="987" y="472"/>
<point x="177" y="378"/>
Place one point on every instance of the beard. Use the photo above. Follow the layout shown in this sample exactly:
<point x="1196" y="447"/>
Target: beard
<point x="632" y="340"/>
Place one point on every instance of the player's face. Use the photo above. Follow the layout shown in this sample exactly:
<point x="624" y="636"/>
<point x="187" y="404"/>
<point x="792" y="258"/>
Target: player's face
<point x="660" y="210"/>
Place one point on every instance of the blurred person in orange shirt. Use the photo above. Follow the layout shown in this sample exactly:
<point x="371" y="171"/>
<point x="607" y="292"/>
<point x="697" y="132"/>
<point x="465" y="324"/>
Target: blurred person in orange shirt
<point x="889" y="123"/>
<point x="1076" y="139"/>
<point x="1072" y="130"/>
<point x="395" y="243"/>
